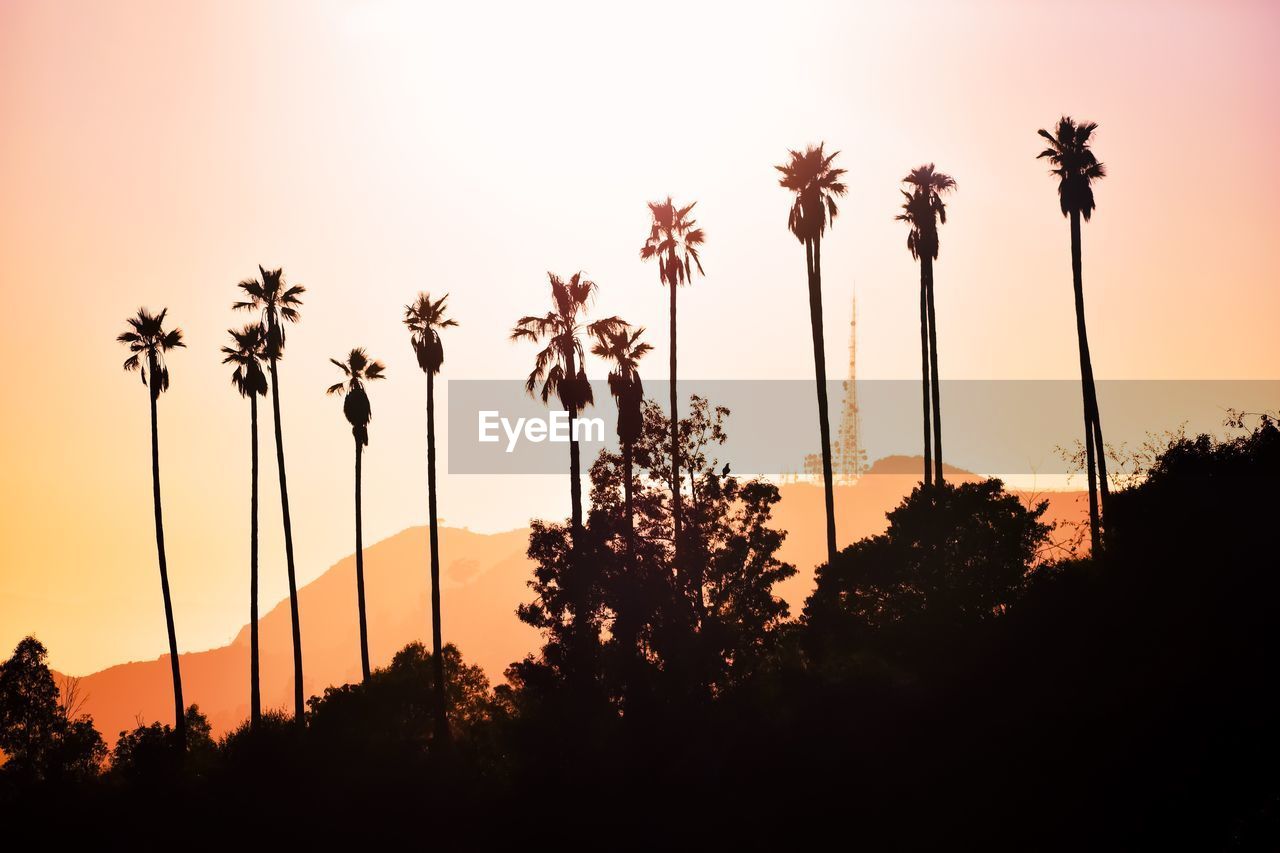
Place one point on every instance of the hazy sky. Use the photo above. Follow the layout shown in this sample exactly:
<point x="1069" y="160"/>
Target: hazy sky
<point x="155" y="153"/>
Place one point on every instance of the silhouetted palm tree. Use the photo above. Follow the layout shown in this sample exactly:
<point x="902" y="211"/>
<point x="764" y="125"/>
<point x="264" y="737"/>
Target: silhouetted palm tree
<point x="424" y="319"/>
<point x="148" y="342"/>
<point x="674" y="240"/>
<point x="923" y="210"/>
<point x="816" y="185"/>
<point x="278" y="304"/>
<point x="559" y="367"/>
<point x="1077" y="168"/>
<point x="624" y="349"/>
<point x="247" y="352"/>
<point x="358" y="369"/>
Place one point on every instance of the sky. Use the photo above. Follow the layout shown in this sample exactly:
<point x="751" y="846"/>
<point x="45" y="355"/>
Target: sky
<point x="154" y="154"/>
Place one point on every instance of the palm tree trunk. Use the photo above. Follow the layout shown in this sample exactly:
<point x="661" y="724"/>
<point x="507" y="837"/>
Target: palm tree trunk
<point x="676" y="509"/>
<point x="437" y="651"/>
<point x="925" y="361"/>
<point x="364" y="628"/>
<point x="179" y="709"/>
<point x="628" y="510"/>
<point x="935" y="387"/>
<point x="820" y="371"/>
<point x="299" y="705"/>
<point x="1086" y="383"/>
<point x="255" y="688"/>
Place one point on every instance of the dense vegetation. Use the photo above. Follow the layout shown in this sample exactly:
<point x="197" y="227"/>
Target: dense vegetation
<point x="946" y="683"/>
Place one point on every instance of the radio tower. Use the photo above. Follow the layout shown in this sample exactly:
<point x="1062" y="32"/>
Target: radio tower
<point x="851" y="459"/>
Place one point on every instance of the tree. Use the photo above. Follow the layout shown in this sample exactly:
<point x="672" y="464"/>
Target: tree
<point x="277" y="304"/>
<point x="247" y="352"/>
<point x="424" y="319"/>
<point x="674" y="241"/>
<point x="816" y="185"/>
<point x="1077" y="168"/>
<point x="624" y="349"/>
<point x="148" y="342"/>
<point x="559" y="369"/>
<point x="663" y="648"/>
<point x="358" y="369"/>
<point x="42" y="738"/>
<point x="923" y="210"/>
<point x="952" y="557"/>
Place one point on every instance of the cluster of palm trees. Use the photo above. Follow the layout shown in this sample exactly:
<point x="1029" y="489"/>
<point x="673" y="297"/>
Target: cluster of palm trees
<point x="674" y="241"/>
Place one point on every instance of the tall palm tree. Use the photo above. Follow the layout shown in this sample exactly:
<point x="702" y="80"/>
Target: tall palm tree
<point x="1077" y="168"/>
<point x="674" y="241"/>
<point x="248" y="351"/>
<point x="357" y="370"/>
<point x="277" y="304"/>
<point x="624" y="350"/>
<point x="817" y="185"/>
<point x="923" y="210"/>
<point x="148" y="342"/>
<point x="424" y="319"/>
<point x="559" y="368"/>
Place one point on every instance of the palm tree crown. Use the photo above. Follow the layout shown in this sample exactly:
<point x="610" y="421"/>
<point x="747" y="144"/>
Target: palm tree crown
<point x="924" y="209"/>
<point x="623" y="348"/>
<point x="247" y="352"/>
<point x="817" y="186"/>
<point x="562" y="329"/>
<point x="674" y="240"/>
<point x="358" y="369"/>
<point x="276" y="301"/>
<point x="148" y="338"/>
<point x="1074" y="164"/>
<point x="425" y="319"/>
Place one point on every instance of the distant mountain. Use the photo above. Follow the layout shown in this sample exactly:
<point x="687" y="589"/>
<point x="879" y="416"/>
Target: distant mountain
<point x="485" y="579"/>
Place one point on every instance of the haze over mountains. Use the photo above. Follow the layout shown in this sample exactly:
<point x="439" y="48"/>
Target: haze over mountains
<point x="484" y="577"/>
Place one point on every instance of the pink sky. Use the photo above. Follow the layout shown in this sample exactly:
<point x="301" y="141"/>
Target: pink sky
<point x="154" y="153"/>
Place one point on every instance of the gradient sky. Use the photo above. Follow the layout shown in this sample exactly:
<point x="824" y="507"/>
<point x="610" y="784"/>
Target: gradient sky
<point x="155" y="153"/>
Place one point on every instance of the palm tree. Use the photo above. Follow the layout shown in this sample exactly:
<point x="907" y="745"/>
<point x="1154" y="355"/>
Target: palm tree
<point x="424" y="319"/>
<point x="559" y="367"/>
<point x="816" y="185"/>
<point x="278" y="304"/>
<point x="148" y="342"/>
<point x="923" y="210"/>
<point x="247" y="352"/>
<point x="624" y="349"/>
<point x="674" y="240"/>
<point x="1077" y="168"/>
<point x="358" y="369"/>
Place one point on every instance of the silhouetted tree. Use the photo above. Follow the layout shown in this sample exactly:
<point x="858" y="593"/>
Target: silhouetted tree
<point x="154" y="756"/>
<point x="424" y="319"/>
<point x="247" y="352"/>
<point x="148" y="342"/>
<point x="952" y="556"/>
<point x="674" y="241"/>
<point x="358" y="369"/>
<point x="624" y="350"/>
<point x="1077" y="168"/>
<point x="559" y="369"/>
<point x="664" y="649"/>
<point x="278" y="303"/>
<point x="816" y="185"/>
<point x="923" y="210"/>
<point x="41" y="741"/>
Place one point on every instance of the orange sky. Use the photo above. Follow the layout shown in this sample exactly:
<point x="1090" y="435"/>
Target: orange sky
<point x="156" y="152"/>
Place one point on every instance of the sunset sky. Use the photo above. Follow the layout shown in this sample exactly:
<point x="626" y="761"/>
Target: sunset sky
<point x="155" y="153"/>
